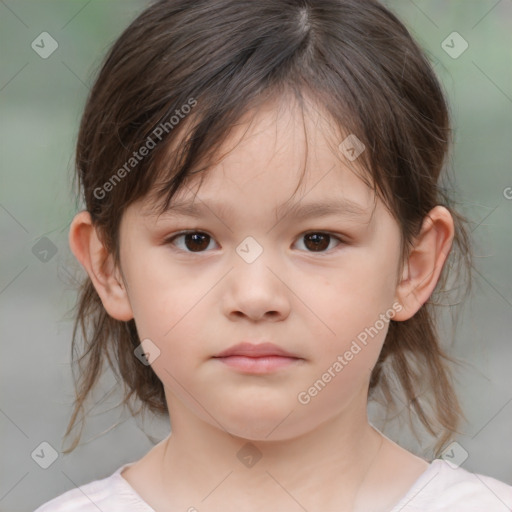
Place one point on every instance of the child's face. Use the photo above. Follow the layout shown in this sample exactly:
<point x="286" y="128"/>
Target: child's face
<point x="194" y="304"/>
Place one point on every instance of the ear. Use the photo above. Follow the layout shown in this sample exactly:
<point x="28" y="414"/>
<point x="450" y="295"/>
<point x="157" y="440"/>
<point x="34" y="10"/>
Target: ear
<point x="106" y="278"/>
<point x="423" y="267"/>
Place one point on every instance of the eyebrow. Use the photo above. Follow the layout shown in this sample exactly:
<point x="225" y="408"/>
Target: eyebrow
<point x="299" y="210"/>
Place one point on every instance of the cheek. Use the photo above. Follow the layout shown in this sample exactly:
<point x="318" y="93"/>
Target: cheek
<point x="341" y="375"/>
<point x="161" y="295"/>
<point x="181" y="350"/>
<point x="350" y="299"/>
<point x="169" y="308"/>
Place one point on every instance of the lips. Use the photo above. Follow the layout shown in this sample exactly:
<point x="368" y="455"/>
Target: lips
<point x="262" y="358"/>
<point x="246" y="349"/>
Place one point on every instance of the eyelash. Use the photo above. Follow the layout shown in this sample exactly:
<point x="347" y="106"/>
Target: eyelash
<point x="170" y="240"/>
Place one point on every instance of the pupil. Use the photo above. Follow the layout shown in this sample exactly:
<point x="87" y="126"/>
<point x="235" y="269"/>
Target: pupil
<point x="320" y="242"/>
<point x="198" y="241"/>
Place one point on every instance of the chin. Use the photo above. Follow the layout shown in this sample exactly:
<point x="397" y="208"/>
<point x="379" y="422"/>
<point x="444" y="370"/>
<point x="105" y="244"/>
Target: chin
<point x="264" y="433"/>
<point x="262" y="423"/>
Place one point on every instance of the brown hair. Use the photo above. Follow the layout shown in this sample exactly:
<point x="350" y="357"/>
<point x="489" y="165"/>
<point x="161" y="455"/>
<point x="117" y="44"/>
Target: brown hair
<point x="222" y="58"/>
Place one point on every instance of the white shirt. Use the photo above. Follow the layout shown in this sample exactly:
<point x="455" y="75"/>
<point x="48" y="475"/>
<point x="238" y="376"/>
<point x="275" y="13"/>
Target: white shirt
<point x="441" y="488"/>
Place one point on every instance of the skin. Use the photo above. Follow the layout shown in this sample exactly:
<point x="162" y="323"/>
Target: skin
<point x="323" y="455"/>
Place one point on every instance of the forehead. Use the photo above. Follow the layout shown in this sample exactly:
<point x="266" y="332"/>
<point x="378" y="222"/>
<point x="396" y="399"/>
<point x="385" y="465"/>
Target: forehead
<point x="265" y="157"/>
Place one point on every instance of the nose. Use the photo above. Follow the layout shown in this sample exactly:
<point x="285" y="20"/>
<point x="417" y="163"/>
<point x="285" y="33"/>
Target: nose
<point x="257" y="291"/>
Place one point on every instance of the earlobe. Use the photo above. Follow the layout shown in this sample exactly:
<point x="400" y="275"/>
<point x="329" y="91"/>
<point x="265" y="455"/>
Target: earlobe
<point x="425" y="263"/>
<point x="88" y="249"/>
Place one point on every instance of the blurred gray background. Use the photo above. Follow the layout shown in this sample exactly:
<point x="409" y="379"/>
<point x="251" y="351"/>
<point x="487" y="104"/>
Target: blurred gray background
<point x="41" y="100"/>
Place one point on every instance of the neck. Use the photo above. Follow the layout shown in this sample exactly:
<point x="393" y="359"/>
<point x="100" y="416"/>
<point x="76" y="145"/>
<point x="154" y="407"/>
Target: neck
<point x="219" y="468"/>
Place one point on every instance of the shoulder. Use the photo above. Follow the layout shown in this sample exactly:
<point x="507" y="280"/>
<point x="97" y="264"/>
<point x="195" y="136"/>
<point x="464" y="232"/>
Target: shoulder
<point x="444" y="488"/>
<point x="112" y="493"/>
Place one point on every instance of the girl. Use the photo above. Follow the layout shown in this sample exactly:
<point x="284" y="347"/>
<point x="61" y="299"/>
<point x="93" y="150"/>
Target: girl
<point x="264" y="229"/>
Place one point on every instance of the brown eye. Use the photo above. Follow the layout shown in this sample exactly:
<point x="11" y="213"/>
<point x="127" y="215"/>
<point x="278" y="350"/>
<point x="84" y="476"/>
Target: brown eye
<point x="318" y="241"/>
<point x="192" y="241"/>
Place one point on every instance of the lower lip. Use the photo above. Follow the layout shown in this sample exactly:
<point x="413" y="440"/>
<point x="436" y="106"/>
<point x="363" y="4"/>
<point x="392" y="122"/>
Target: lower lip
<point x="262" y="364"/>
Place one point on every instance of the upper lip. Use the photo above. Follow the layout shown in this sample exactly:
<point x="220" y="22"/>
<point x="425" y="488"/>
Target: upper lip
<point x="255" y="350"/>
